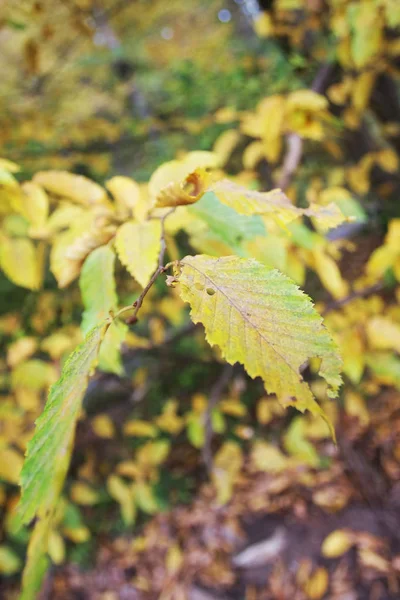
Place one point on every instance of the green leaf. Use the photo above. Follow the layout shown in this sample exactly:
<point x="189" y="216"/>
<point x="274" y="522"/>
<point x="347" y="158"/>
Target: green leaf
<point x="47" y="456"/>
<point x="260" y="318"/>
<point x="37" y="561"/>
<point x="99" y="297"/>
<point x="385" y="366"/>
<point x="224" y="224"/>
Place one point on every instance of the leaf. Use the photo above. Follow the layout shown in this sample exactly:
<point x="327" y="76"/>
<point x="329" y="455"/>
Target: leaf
<point x="138" y="246"/>
<point x="37" y="561"/>
<point x="126" y="193"/>
<point x="20" y="261"/>
<point x="48" y="451"/>
<point x="225" y="145"/>
<point x="329" y="274"/>
<point x="10" y="562"/>
<point x="227" y="464"/>
<point x="297" y="445"/>
<point x="11" y="463"/>
<point x="274" y="203"/>
<point x="337" y="543"/>
<point x="260" y="318"/>
<point x="36" y="204"/>
<point x="223" y="224"/>
<point x="71" y="247"/>
<point x="99" y="297"/>
<point x="97" y="286"/>
<point x="124" y="495"/>
<point x="74" y="187"/>
<point x="181" y="182"/>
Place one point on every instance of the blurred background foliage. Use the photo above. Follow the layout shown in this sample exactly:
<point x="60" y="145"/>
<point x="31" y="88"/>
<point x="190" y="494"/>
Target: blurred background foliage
<point x="303" y="94"/>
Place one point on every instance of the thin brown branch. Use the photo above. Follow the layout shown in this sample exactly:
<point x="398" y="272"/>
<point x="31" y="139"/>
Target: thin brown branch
<point x="160" y="269"/>
<point x="368" y="291"/>
<point x="215" y="395"/>
<point x="294" y="142"/>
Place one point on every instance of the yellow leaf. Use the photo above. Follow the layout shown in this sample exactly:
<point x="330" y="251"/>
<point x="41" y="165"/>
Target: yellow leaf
<point x="263" y="25"/>
<point x="140" y="429"/>
<point x="225" y="144"/>
<point x="174" y="559"/>
<point x="123" y="494"/>
<point x="8" y="165"/>
<point x="181" y="182"/>
<point x="10" y="465"/>
<point x="317" y="584"/>
<point x="20" y="261"/>
<point x="337" y="543"/>
<point x="258" y="317"/>
<point x="252" y="155"/>
<point x="126" y="193"/>
<point x="36" y="206"/>
<point x="103" y="426"/>
<point x="78" y="535"/>
<point x="274" y="203"/>
<point x="383" y="333"/>
<point x="268" y="458"/>
<point x="20" y="350"/>
<point x="296" y="443"/>
<point x="233" y="407"/>
<point x="355" y="406"/>
<point x="74" y="187"/>
<point x="138" y="246"/>
<point x="267" y="409"/>
<point x="361" y="90"/>
<point x="227" y="464"/>
<point x="10" y="563"/>
<point x="329" y="274"/>
<point x="152" y="453"/>
<point x="71" y="247"/>
<point x="267" y="123"/>
<point x="84" y="494"/>
<point x="306" y="100"/>
<point x="169" y="421"/>
<point x="388" y="160"/>
<point x="145" y="498"/>
<point x="56" y="547"/>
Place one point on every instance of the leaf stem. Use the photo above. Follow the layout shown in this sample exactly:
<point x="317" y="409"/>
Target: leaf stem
<point x="160" y="269"/>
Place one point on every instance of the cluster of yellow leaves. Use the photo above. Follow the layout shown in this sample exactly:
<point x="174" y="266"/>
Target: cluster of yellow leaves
<point x="303" y="112"/>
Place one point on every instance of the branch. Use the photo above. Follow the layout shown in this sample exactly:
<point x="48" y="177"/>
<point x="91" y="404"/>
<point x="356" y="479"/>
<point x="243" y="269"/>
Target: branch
<point x="294" y="151"/>
<point x="160" y="269"/>
<point x="377" y="287"/>
<point x="215" y="395"/>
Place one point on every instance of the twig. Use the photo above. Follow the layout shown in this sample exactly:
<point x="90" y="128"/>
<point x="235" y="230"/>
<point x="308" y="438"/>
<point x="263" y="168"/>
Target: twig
<point x="294" y="142"/>
<point x="215" y="395"/>
<point x="292" y="159"/>
<point x="377" y="287"/>
<point x="160" y="269"/>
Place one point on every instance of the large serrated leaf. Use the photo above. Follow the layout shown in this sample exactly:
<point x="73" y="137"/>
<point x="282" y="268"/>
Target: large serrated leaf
<point x="260" y="318"/>
<point x="138" y="247"/>
<point x="99" y="297"/>
<point x="46" y="461"/>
